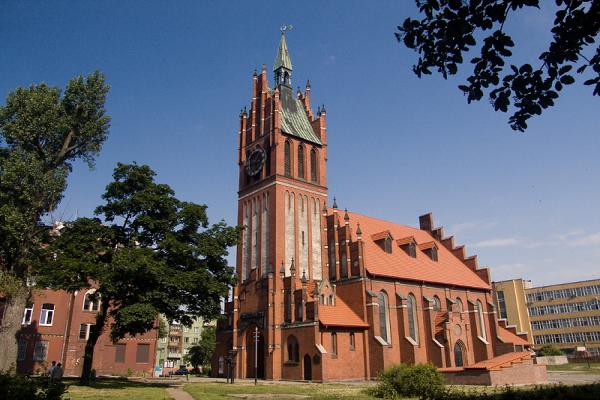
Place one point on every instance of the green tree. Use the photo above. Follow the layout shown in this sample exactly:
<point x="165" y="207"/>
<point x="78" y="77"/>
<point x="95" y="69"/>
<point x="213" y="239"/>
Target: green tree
<point x="449" y="30"/>
<point x="201" y="354"/>
<point x="151" y="254"/>
<point x="549" y="350"/>
<point x="43" y="132"/>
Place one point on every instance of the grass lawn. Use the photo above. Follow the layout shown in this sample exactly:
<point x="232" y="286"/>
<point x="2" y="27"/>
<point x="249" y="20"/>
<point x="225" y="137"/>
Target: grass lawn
<point x="115" y="389"/>
<point x="576" y="367"/>
<point x="214" y="391"/>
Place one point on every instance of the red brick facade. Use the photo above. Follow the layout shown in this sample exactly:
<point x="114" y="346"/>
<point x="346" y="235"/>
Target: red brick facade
<point x="61" y="337"/>
<point x="338" y="295"/>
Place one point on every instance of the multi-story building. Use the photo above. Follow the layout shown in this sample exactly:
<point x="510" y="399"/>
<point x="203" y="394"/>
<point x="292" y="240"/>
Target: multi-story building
<point x="55" y="327"/>
<point x="171" y="349"/>
<point x="325" y="294"/>
<point x="511" y="304"/>
<point x="566" y="315"/>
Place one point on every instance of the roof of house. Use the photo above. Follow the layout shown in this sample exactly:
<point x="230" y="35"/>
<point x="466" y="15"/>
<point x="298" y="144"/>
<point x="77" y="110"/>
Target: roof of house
<point x="448" y="270"/>
<point x="500" y="361"/>
<point x="283" y="56"/>
<point x="294" y="120"/>
<point x="340" y="315"/>
<point x="509" y="337"/>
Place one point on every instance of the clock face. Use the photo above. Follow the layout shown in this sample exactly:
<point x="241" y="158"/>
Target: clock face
<point x="255" y="161"/>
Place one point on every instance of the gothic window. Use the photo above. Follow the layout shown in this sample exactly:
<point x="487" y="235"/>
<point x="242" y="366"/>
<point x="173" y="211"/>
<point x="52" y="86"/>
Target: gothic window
<point x="301" y="161"/>
<point x="293" y="353"/>
<point x="437" y="305"/>
<point x="299" y="311"/>
<point x="384" y="316"/>
<point x="287" y="162"/>
<point x="343" y="266"/>
<point x="481" y="320"/>
<point x="313" y="165"/>
<point x="413" y="330"/>
<point x="352" y="342"/>
<point x="459" y="303"/>
<point x="334" y="344"/>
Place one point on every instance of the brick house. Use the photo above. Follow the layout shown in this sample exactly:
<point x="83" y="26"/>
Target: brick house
<point x="55" y="327"/>
<point x="335" y="295"/>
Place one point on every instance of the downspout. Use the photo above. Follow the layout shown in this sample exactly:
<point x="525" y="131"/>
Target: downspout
<point x="63" y="355"/>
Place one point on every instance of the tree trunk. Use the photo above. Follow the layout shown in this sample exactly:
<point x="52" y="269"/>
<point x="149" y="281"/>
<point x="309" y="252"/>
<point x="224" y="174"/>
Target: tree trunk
<point x="95" y="332"/>
<point x="10" y="326"/>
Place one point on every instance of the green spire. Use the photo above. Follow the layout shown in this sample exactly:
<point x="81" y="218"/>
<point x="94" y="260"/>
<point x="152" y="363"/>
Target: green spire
<point x="283" y="56"/>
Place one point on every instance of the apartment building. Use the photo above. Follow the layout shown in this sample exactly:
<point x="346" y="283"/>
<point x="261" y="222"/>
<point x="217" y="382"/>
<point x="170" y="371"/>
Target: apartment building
<point x="171" y="349"/>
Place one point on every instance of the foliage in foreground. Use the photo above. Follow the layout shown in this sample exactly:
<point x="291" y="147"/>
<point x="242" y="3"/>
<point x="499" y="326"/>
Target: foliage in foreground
<point x="547" y="392"/>
<point x="19" y="387"/>
<point x="421" y="380"/>
<point x="549" y="350"/>
<point x="201" y="354"/>
<point x="449" y="29"/>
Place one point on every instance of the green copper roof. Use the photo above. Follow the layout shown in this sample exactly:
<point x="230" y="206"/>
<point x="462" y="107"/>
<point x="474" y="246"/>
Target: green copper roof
<point x="294" y="120"/>
<point x="283" y="56"/>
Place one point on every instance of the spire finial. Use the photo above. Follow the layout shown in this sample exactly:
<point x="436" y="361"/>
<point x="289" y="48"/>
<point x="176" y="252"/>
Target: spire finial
<point x="334" y="205"/>
<point x="293" y="268"/>
<point x="283" y="63"/>
<point x="346" y="216"/>
<point x="358" y="231"/>
<point x="303" y="279"/>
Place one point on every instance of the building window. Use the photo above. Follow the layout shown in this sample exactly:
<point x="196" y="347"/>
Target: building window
<point x="47" y="314"/>
<point x="434" y="253"/>
<point x="352" y="342"/>
<point x="84" y="331"/>
<point x="221" y="365"/>
<point x="481" y="320"/>
<point x="142" y="353"/>
<point x="21" y="350"/>
<point x="196" y="329"/>
<point x="387" y="245"/>
<point x="293" y="351"/>
<point x="413" y="330"/>
<point x="287" y="161"/>
<point x="412" y="249"/>
<point x="334" y="344"/>
<point x="27" y="314"/>
<point x="501" y="304"/>
<point x="91" y="301"/>
<point x="384" y="316"/>
<point x="40" y="351"/>
<point x="186" y="340"/>
<point x="437" y="306"/>
<point x="299" y="311"/>
<point x="313" y="165"/>
<point x="120" y="352"/>
<point x="301" y="161"/>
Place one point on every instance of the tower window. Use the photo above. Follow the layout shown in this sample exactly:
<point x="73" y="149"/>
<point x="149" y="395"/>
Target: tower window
<point x="301" y="161"/>
<point x="313" y="165"/>
<point x="287" y="161"/>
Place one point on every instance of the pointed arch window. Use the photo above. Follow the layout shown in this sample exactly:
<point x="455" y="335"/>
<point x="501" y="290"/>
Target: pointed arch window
<point x="384" y="316"/>
<point x="459" y="304"/>
<point x="334" y="344"/>
<point x="313" y="165"/>
<point x="413" y="330"/>
<point x="301" y="161"/>
<point x="287" y="159"/>
<point x="437" y="305"/>
<point x="293" y="352"/>
<point x="482" y="332"/>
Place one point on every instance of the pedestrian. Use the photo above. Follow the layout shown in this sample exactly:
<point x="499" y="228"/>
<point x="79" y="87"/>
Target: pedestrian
<point x="51" y="369"/>
<point x="57" y="373"/>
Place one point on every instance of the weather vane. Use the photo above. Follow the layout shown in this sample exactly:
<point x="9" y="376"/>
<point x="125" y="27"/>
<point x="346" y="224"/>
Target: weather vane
<point x="286" y="28"/>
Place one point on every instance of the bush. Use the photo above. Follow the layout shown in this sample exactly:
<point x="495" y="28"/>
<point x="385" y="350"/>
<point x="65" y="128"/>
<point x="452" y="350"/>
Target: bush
<point x="546" y="392"/>
<point x="549" y="350"/>
<point x="20" y="387"/>
<point x="421" y="380"/>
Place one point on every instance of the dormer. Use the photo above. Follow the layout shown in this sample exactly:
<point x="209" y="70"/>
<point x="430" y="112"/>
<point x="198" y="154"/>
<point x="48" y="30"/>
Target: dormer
<point x="409" y="245"/>
<point x="430" y="249"/>
<point x="384" y="240"/>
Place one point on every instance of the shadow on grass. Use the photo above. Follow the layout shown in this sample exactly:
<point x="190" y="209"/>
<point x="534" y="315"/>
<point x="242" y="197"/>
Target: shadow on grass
<point x="116" y="383"/>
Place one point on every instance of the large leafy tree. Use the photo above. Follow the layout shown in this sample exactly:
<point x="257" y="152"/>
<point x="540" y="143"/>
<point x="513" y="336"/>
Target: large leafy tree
<point x="43" y="132"/>
<point x="151" y="253"/>
<point x="201" y="354"/>
<point x="449" y="29"/>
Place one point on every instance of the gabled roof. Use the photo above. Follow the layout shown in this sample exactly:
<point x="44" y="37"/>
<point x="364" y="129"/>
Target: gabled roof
<point x="406" y="240"/>
<point x="509" y="337"/>
<point x="340" y="315"/>
<point x="448" y="270"/>
<point x="381" y="235"/>
<point x="294" y="120"/>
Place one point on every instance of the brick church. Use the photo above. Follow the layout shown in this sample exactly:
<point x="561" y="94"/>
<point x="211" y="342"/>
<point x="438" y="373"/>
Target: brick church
<point x="332" y="294"/>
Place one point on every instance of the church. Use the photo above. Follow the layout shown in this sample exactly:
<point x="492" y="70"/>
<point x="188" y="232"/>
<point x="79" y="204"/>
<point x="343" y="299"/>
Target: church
<point x="325" y="294"/>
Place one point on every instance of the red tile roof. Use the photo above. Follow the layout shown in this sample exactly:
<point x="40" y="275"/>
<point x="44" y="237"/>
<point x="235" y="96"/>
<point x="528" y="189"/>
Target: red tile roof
<point x="448" y="270"/>
<point x="509" y="337"/>
<point x="504" y="360"/>
<point x="340" y="315"/>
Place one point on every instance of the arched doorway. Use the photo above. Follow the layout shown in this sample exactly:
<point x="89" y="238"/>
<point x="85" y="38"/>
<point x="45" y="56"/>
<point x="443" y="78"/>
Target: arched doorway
<point x="458" y="354"/>
<point x="252" y="350"/>
<point x="307" y="368"/>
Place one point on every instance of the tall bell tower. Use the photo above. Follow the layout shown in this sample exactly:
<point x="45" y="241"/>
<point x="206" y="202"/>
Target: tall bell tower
<point x="282" y="159"/>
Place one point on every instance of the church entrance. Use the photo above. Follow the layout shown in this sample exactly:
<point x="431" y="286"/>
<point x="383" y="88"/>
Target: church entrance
<point x="307" y="368"/>
<point x="255" y="354"/>
<point x="458" y="354"/>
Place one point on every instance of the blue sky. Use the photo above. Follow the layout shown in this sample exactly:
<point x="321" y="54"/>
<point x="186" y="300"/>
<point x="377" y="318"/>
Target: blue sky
<point x="527" y="204"/>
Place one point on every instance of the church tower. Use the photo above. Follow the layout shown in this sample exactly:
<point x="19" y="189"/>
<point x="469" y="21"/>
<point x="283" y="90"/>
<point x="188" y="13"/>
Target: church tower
<point x="282" y="193"/>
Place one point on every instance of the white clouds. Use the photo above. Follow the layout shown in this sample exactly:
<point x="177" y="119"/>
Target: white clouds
<point x="497" y="242"/>
<point x="586" y="240"/>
